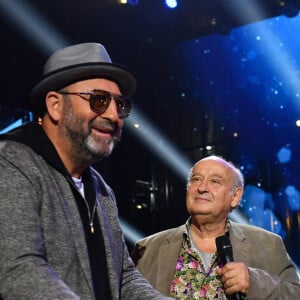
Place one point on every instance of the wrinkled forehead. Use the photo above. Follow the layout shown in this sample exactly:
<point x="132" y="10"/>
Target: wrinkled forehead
<point x="213" y="166"/>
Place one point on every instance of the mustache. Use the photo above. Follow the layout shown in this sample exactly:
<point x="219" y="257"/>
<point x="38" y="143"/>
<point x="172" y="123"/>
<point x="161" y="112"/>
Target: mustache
<point x="203" y="195"/>
<point x="107" y="126"/>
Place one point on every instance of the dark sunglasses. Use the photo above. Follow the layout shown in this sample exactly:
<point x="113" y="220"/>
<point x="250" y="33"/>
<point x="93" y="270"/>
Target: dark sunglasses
<point x="100" y="100"/>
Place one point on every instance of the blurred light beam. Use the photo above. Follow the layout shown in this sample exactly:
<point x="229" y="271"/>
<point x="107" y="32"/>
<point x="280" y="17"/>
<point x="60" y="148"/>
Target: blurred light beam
<point x="165" y="151"/>
<point x="285" y="69"/>
<point x="29" y="22"/>
<point x="131" y="234"/>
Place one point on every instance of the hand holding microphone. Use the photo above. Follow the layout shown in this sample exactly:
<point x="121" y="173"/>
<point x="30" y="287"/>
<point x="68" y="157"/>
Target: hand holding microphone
<point x="224" y="249"/>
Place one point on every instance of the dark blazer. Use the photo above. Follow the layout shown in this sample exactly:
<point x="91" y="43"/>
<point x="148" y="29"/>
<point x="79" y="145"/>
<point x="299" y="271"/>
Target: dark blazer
<point x="273" y="276"/>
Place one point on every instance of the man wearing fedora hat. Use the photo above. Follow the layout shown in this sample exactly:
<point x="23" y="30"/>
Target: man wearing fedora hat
<point x="59" y="232"/>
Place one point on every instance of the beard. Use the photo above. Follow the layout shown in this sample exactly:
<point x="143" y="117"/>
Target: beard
<point x="86" y="146"/>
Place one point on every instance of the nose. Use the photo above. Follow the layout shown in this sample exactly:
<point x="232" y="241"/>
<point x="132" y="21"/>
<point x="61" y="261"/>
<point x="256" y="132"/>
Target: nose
<point x="111" y="113"/>
<point x="202" y="186"/>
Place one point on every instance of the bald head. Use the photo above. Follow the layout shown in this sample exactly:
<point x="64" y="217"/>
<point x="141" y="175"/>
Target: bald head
<point x="237" y="176"/>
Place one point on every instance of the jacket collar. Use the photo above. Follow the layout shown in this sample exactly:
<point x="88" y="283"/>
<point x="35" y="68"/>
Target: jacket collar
<point x="33" y="136"/>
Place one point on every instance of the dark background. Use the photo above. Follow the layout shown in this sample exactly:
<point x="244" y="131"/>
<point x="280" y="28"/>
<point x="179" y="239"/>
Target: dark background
<point x="223" y="74"/>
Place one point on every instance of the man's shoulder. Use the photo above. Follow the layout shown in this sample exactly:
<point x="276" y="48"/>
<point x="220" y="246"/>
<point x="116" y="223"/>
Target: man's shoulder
<point x="167" y="234"/>
<point x="15" y="150"/>
<point x="19" y="141"/>
<point x="251" y="230"/>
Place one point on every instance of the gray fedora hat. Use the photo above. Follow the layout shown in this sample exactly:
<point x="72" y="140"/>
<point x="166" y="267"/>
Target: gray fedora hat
<point x="75" y="63"/>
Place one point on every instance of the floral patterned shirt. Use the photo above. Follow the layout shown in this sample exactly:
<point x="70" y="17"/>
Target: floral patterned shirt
<point x="190" y="280"/>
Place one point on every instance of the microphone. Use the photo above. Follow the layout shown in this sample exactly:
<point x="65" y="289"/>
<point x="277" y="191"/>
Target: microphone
<point x="224" y="249"/>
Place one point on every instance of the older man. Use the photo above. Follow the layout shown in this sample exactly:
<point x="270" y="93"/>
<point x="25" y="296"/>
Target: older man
<point x="184" y="262"/>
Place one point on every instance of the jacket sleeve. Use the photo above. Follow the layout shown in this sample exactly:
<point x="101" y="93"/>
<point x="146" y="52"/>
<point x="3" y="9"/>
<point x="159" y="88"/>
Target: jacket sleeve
<point x="24" y="270"/>
<point x="133" y="286"/>
<point x="264" y="284"/>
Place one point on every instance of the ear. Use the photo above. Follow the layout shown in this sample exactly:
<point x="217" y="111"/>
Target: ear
<point x="54" y="104"/>
<point x="236" y="198"/>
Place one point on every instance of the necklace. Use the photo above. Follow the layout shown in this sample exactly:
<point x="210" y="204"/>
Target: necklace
<point x="79" y="183"/>
<point x="91" y="217"/>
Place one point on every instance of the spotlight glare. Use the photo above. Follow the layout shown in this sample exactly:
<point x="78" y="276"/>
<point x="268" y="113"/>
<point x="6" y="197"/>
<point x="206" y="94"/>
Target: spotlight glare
<point x="171" y="3"/>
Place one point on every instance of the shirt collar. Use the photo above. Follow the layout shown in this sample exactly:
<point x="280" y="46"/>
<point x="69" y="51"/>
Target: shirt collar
<point x="187" y="229"/>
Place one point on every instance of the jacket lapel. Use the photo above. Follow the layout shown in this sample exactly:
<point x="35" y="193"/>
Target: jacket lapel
<point x="108" y="219"/>
<point x="238" y="241"/>
<point x="77" y="232"/>
<point x="167" y="258"/>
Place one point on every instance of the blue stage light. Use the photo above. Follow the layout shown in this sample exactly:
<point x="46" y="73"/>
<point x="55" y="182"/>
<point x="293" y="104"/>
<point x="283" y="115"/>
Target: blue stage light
<point x="284" y="155"/>
<point x="133" y="2"/>
<point x="12" y="126"/>
<point x="293" y="197"/>
<point x="171" y="3"/>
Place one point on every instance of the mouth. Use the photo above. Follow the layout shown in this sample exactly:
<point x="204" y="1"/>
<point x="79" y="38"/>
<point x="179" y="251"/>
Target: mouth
<point x="201" y="199"/>
<point x="109" y="132"/>
<point x="103" y="132"/>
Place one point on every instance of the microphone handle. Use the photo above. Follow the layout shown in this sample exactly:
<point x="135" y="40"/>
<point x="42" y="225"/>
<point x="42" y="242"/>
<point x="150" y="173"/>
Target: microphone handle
<point x="237" y="296"/>
<point x="225" y="251"/>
